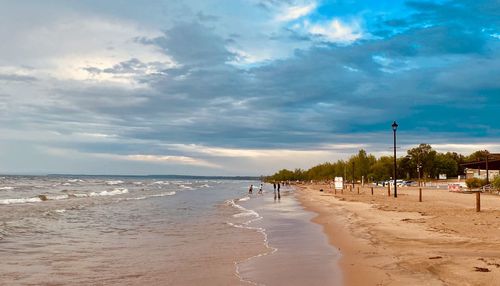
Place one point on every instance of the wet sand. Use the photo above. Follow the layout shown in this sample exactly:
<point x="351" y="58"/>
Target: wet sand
<point x="388" y="241"/>
<point x="299" y="252"/>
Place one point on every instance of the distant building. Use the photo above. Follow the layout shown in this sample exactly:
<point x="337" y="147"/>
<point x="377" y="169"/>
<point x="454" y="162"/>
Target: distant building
<point x="481" y="169"/>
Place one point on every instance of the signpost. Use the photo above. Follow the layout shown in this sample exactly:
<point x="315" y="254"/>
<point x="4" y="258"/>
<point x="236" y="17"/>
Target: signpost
<point x="339" y="183"/>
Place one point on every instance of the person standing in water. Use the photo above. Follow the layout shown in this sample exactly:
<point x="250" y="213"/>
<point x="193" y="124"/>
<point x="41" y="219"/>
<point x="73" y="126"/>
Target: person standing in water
<point x="250" y="190"/>
<point x="260" y="189"/>
<point x="279" y="196"/>
<point x="274" y="186"/>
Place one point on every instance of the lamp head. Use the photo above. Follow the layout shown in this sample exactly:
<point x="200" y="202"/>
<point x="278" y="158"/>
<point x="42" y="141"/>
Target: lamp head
<point x="394" y="126"/>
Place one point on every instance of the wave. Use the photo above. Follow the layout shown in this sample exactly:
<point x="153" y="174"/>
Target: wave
<point x="48" y="197"/>
<point x="245" y="225"/>
<point x="186" y="187"/>
<point x="244" y="211"/>
<point x="20" y="201"/>
<point x="75" y="181"/>
<point x="117" y="182"/>
<point x="160" y="183"/>
<point x="117" y="191"/>
<point x="150" y="196"/>
<point x="6" y="188"/>
<point x="247" y="213"/>
<point x="53" y="198"/>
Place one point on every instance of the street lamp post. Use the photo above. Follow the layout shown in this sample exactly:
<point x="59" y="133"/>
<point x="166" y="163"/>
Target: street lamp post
<point x="394" y="128"/>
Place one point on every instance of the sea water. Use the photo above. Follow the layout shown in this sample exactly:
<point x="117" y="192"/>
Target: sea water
<point x="68" y="230"/>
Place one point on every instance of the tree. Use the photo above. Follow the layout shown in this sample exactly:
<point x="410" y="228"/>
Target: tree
<point x="423" y="156"/>
<point x="382" y="168"/>
<point x="319" y="172"/>
<point x="431" y="164"/>
<point x="479" y="155"/>
<point x="445" y="164"/>
<point x="459" y="159"/>
<point x="362" y="164"/>
<point x="405" y="169"/>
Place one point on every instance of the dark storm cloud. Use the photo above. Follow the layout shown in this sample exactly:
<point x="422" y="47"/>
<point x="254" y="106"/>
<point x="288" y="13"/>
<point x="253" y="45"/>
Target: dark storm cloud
<point x="193" y="44"/>
<point x="434" y="69"/>
<point x="430" y="76"/>
<point x="330" y="90"/>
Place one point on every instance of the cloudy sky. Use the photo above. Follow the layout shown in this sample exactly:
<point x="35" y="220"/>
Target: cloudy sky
<point x="241" y="87"/>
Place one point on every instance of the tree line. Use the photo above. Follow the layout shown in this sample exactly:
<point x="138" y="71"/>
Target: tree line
<point x="419" y="162"/>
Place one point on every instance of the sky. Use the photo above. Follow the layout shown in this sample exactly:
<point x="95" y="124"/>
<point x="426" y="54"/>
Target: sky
<point x="241" y="87"/>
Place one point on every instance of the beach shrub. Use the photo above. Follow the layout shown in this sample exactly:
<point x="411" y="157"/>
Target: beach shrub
<point x="475" y="183"/>
<point x="496" y="183"/>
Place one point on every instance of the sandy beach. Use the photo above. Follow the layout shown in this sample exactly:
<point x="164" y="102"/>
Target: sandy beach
<point x="401" y="241"/>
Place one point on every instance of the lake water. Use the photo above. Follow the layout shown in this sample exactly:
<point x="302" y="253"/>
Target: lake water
<point x="156" y="231"/>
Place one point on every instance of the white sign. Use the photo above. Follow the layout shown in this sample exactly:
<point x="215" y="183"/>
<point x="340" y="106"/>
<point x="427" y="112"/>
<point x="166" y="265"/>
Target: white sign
<point x="339" y="183"/>
<point x="442" y="176"/>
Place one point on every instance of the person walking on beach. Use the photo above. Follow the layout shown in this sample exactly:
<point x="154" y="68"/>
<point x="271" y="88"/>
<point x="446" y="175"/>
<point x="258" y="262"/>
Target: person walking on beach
<point x="260" y="189"/>
<point x="279" y="196"/>
<point x="274" y="186"/>
<point x="250" y="190"/>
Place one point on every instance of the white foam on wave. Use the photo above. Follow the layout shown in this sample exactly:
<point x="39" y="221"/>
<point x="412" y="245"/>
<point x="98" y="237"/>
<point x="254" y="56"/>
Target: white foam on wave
<point x="117" y="191"/>
<point x="244" y="212"/>
<point x="56" y="197"/>
<point x="245" y="225"/>
<point x="41" y="198"/>
<point x="247" y="213"/>
<point x="6" y="188"/>
<point x="160" y="183"/>
<point x="20" y="201"/>
<point x="150" y="196"/>
<point x="243" y="199"/>
<point x="116" y="182"/>
<point x="186" y="187"/>
<point x="60" y="211"/>
<point x="205" y="186"/>
<point x="75" y="180"/>
<point x="164" y="194"/>
<point x="80" y="195"/>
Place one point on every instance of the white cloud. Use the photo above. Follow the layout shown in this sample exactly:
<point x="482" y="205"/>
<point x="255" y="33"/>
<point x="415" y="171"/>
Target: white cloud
<point x="64" y="46"/>
<point x="145" y="158"/>
<point x="296" y="12"/>
<point x="467" y="148"/>
<point x="337" y="31"/>
<point x="240" y="152"/>
<point x="184" y="160"/>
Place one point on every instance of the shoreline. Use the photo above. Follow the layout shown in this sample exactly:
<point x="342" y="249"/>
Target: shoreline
<point x="297" y="251"/>
<point x="388" y="241"/>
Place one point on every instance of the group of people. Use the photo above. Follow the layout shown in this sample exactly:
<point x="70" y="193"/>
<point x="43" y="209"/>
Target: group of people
<point x="279" y="195"/>
<point x="275" y="186"/>
<point x="250" y="190"/>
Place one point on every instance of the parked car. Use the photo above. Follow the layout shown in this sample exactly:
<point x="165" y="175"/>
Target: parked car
<point x="411" y="183"/>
